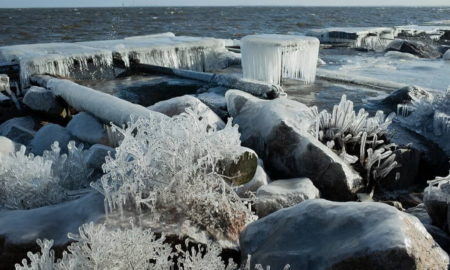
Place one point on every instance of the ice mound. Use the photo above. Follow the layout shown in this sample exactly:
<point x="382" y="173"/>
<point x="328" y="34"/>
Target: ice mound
<point x="270" y="58"/>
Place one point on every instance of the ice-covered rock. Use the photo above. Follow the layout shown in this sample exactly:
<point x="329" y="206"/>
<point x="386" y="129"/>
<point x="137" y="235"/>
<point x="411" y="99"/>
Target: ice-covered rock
<point x="4" y="82"/>
<point x="269" y="58"/>
<point x="320" y="234"/>
<point x="278" y="131"/>
<point x="281" y="194"/>
<point x="440" y="236"/>
<point x="24" y="122"/>
<point x="87" y="128"/>
<point x="6" y="145"/>
<point x="158" y="89"/>
<point x="19" y="129"/>
<point x="259" y="179"/>
<point x="447" y="55"/>
<point x="400" y="55"/>
<point x="43" y="100"/>
<point x="47" y="135"/>
<point x="357" y="37"/>
<point x="214" y="98"/>
<point x="405" y="95"/>
<point x="417" y="48"/>
<point x="179" y="105"/>
<point x="436" y="198"/>
<point x="95" y="156"/>
<point x="19" y="229"/>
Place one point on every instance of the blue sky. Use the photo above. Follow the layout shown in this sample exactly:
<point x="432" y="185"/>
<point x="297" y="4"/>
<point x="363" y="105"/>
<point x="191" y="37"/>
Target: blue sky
<point x="91" y="3"/>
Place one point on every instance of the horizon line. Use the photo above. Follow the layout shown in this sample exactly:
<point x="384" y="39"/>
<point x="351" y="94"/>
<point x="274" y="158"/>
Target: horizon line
<point x="249" y="5"/>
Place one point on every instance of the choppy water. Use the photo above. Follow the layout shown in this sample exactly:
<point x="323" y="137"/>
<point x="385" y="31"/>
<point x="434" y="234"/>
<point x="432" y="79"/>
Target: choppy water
<point x="18" y="26"/>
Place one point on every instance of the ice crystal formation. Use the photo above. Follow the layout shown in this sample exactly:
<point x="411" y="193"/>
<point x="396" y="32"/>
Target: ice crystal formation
<point x="357" y="138"/>
<point x="99" y="247"/>
<point x="270" y="58"/>
<point x="28" y="181"/>
<point x="171" y="167"/>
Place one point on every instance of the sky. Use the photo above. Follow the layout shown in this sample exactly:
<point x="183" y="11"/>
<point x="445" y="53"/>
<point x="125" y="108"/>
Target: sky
<point x="110" y="3"/>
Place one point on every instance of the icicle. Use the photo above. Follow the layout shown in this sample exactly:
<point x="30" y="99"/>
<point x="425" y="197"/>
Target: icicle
<point x="270" y="58"/>
<point x="362" y="149"/>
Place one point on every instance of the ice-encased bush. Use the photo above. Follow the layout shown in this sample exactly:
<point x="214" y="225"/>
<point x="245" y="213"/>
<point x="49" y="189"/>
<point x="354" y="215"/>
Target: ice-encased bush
<point x="171" y="168"/>
<point x="429" y="117"/>
<point x="357" y="138"/>
<point x="28" y="181"/>
<point x="98" y="247"/>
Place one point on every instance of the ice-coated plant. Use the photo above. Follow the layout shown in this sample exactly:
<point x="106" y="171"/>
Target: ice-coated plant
<point x="357" y="138"/>
<point x="99" y="247"/>
<point x="428" y="116"/>
<point x="28" y="181"/>
<point x="171" y="167"/>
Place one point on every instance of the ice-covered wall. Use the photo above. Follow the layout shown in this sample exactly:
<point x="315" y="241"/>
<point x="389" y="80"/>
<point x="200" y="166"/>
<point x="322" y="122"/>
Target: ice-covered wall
<point x="94" y="59"/>
<point x="270" y="58"/>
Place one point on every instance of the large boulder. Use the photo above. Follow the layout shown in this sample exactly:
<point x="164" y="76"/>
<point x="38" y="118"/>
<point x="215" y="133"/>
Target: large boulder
<point x="404" y="95"/>
<point x="19" y="229"/>
<point x="42" y="100"/>
<point x="436" y="198"/>
<point x="240" y="168"/>
<point x="284" y="193"/>
<point x="319" y="234"/>
<point x="47" y="135"/>
<point x="87" y="128"/>
<point x="417" y="48"/>
<point x="214" y="98"/>
<point x="278" y="131"/>
<point x="178" y="105"/>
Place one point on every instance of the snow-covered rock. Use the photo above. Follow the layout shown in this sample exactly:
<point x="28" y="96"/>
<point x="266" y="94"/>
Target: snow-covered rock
<point x="447" y="55"/>
<point x="87" y="128"/>
<point x="436" y="198"/>
<point x="259" y="179"/>
<point x="320" y="234"/>
<point x="95" y="156"/>
<point x="278" y="131"/>
<point x="178" y="105"/>
<point x="47" y="135"/>
<point x="284" y="193"/>
<point x="416" y="48"/>
<point x="6" y="145"/>
<point x="19" y="229"/>
<point x="214" y="98"/>
<point x="43" y="100"/>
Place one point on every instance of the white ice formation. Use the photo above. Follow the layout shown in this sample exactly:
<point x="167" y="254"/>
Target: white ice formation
<point x="270" y="58"/>
<point x="94" y="59"/>
<point x="429" y="117"/>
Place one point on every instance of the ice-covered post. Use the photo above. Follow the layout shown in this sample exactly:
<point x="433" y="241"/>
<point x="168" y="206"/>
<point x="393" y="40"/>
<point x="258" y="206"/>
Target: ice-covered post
<point x="269" y="58"/>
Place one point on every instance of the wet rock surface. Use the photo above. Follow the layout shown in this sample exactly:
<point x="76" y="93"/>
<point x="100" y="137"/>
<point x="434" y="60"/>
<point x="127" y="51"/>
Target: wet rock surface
<point x="319" y="234"/>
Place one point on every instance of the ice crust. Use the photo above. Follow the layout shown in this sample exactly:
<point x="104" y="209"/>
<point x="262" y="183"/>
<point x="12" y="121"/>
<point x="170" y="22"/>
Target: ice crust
<point x="269" y="58"/>
<point x="94" y="59"/>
